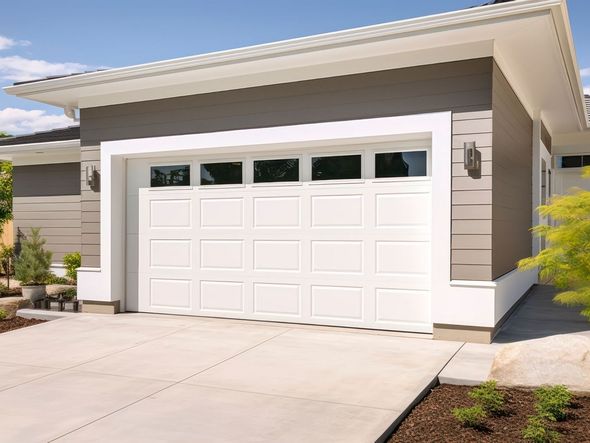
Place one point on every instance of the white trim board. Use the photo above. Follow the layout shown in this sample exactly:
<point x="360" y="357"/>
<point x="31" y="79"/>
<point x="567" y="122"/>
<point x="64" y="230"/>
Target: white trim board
<point x="451" y="304"/>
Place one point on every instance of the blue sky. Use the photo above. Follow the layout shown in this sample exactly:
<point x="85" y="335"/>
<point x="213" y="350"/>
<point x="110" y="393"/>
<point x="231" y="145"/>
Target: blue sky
<point x="39" y="38"/>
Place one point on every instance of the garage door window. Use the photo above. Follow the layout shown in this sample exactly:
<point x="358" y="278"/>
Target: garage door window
<point x="171" y="175"/>
<point x="283" y="170"/>
<point x="337" y="167"/>
<point x="400" y="164"/>
<point x="228" y="173"/>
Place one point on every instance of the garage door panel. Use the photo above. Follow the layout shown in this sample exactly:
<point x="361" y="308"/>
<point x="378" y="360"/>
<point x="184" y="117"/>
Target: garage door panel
<point x="222" y="296"/>
<point x="336" y="211"/>
<point x="222" y="254"/>
<point x="337" y="256"/>
<point x="277" y="212"/>
<point x="170" y="213"/>
<point x="171" y="253"/>
<point x="337" y="303"/>
<point x="170" y="293"/>
<point x="277" y="299"/>
<point x="277" y="255"/>
<point x="222" y="212"/>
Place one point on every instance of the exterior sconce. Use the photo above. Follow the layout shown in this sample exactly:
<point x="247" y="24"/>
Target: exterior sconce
<point x="472" y="157"/>
<point x="91" y="176"/>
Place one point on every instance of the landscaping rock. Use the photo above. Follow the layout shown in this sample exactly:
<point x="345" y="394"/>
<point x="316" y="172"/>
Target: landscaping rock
<point x="13" y="304"/>
<point x="58" y="289"/>
<point x="556" y="360"/>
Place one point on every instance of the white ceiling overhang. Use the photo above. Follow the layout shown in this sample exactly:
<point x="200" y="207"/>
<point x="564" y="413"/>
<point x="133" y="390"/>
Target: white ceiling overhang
<point x="530" y="39"/>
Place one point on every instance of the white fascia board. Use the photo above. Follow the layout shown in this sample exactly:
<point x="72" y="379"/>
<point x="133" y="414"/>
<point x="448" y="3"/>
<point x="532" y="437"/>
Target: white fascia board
<point x="8" y="152"/>
<point x="261" y="54"/>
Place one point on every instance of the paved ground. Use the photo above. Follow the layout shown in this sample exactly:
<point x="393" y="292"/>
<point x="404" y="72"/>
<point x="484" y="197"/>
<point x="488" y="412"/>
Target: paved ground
<point x="147" y="378"/>
<point x="537" y="317"/>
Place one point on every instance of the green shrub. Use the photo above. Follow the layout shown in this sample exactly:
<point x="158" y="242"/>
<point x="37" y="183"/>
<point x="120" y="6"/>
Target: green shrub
<point x="3" y="289"/>
<point x="471" y="417"/>
<point x="72" y="261"/>
<point x="488" y="397"/>
<point x="537" y="431"/>
<point x="69" y="294"/>
<point x="53" y="279"/>
<point x="553" y="401"/>
<point x="6" y="258"/>
<point x="32" y="265"/>
<point x="3" y="314"/>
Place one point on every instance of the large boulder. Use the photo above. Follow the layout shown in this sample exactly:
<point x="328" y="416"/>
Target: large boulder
<point x="13" y="304"/>
<point x="559" y="359"/>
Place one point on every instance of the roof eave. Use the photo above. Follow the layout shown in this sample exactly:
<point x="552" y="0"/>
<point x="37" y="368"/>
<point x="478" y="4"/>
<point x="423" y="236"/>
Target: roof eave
<point x="287" y="47"/>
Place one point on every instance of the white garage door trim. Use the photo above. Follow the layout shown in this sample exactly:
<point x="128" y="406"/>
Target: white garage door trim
<point x="355" y="253"/>
<point x="108" y="283"/>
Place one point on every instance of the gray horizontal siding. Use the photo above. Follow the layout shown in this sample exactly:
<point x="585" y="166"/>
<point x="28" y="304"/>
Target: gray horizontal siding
<point x="59" y="218"/>
<point x="90" y="205"/>
<point x="458" y="86"/>
<point x="46" y="180"/>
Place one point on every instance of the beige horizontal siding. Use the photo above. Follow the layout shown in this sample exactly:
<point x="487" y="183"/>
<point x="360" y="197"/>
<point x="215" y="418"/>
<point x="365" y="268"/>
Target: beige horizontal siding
<point x="471" y="212"/>
<point x="58" y="217"/>
<point x="90" y="218"/>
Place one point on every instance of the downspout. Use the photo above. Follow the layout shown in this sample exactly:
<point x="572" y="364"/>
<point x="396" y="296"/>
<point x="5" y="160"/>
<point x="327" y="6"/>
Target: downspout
<point x="70" y="112"/>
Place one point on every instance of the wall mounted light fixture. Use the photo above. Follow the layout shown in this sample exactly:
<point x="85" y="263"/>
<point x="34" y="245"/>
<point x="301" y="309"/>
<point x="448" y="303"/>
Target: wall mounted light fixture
<point x="472" y="158"/>
<point x="91" y="175"/>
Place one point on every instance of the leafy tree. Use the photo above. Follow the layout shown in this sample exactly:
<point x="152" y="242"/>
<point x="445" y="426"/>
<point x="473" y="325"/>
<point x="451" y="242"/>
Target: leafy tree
<point x="32" y="265"/>
<point x="5" y="193"/>
<point x="566" y="260"/>
<point x="5" y="189"/>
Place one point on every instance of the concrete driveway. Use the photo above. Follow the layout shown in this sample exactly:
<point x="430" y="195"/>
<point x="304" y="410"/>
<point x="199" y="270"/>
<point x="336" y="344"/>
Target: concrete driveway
<point x="151" y="378"/>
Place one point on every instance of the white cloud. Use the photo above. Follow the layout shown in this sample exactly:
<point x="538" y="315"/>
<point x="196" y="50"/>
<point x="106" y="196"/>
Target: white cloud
<point x="585" y="72"/>
<point x="587" y="90"/>
<point x="16" y="68"/>
<point x="20" y="121"/>
<point x="6" y="43"/>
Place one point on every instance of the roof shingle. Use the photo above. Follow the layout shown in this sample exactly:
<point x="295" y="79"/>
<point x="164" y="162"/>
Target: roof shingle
<point x="54" y="135"/>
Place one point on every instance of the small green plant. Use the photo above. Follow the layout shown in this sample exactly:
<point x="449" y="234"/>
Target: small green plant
<point x="553" y="401"/>
<point x="72" y="261"/>
<point x="6" y="261"/>
<point x="3" y="289"/>
<point x="470" y="417"/>
<point x="488" y="397"/>
<point x="69" y="294"/>
<point x="53" y="279"/>
<point x="537" y="431"/>
<point x="3" y="314"/>
<point x="32" y="265"/>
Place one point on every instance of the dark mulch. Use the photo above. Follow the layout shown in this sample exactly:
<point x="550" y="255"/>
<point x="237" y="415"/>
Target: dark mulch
<point x="17" y="323"/>
<point x="432" y="420"/>
<point x="12" y="292"/>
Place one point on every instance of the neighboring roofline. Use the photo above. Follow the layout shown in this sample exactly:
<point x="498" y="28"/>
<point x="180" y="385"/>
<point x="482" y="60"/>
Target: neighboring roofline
<point x="288" y="47"/>
<point x="44" y="146"/>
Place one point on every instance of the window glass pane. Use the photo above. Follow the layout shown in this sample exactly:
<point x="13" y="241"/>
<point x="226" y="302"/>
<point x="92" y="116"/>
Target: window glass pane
<point x="400" y="164"/>
<point x="176" y="175"/>
<point x="586" y="160"/>
<point x="283" y="170"/>
<point x="571" y="161"/>
<point x="229" y="173"/>
<point x="336" y="167"/>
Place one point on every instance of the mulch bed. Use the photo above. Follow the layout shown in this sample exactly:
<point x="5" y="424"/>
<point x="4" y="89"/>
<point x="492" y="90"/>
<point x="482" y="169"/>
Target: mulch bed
<point x="432" y="420"/>
<point x="17" y="323"/>
<point x="12" y="292"/>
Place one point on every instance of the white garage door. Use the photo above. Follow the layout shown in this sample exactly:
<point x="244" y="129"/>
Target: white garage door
<point x="352" y="252"/>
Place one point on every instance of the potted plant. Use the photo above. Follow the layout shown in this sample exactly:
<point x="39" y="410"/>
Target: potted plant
<point x="31" y="267"/>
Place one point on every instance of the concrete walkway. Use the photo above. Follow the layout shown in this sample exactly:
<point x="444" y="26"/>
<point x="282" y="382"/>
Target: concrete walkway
<point x="537" y="317"/>
<point x="148" y="378"/>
